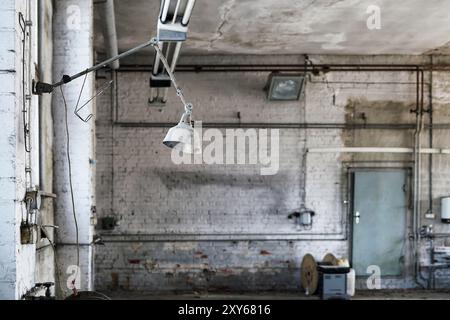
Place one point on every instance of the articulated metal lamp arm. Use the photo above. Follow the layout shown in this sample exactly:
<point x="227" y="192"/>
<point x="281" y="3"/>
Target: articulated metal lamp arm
<point x="171" y="75"/>
<point x="41" y="87"/>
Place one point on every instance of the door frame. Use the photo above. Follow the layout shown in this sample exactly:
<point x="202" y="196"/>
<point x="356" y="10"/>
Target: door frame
<point x="351" y="170"/>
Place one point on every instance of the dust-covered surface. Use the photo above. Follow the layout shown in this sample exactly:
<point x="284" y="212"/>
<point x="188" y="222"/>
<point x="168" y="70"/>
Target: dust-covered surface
<point x="286" y="26"/>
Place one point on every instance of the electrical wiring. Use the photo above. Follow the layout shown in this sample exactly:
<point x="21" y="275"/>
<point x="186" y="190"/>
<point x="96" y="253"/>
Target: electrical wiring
<point x="25" y="113"/>
<point x="58" y="269"/>
<point x="69" y="163"/>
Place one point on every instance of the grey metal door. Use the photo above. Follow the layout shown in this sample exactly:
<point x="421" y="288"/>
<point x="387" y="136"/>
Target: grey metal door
<point x="379" y="220"/>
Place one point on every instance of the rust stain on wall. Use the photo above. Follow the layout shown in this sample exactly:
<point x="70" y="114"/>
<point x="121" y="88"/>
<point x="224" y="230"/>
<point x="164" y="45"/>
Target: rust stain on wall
<point x="114" y="280"/>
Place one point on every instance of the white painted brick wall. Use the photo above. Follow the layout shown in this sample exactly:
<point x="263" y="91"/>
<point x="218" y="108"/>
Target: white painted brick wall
<point x="137" y="183"/>
<point x="16" y="261"/>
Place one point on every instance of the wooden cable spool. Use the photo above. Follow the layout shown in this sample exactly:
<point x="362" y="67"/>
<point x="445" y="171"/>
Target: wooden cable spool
<point x="330" y="259"/>
<point x="309" y="274"/>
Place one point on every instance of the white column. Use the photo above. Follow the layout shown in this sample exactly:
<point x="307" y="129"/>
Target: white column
<point x="73" y="52"/>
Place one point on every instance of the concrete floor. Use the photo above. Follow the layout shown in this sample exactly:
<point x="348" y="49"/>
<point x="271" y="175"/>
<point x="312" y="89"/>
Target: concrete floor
<point x="360" y="295"/>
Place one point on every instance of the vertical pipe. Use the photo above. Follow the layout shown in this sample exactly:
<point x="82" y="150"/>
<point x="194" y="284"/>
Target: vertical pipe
<point x="414" y="227"/>
<point x="176" y="53"/>
<point x="430" y="138"/>
<point x="156" y="61"/>
<point x="107" y="15"/>
<point x="417" y="179"/>
<point x="188" y="12"/>
<point x="155" y="68"/>
<point x="165" y="10"/>
<point x="162" y="92"/>
<point x="167" y="50"/>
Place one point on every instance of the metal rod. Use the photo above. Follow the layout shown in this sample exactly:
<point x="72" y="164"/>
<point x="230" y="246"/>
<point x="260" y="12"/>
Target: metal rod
<point x="107" y="62"/>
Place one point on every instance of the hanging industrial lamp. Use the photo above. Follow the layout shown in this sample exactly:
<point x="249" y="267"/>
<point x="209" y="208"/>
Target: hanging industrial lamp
<point x="172" y="27"/>
<point x="180" y="137"/>
<point x="183" y="137"/>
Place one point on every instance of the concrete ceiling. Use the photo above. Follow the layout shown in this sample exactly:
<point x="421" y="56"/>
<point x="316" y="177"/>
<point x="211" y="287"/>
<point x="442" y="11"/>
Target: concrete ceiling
<point x="294" y="26"/>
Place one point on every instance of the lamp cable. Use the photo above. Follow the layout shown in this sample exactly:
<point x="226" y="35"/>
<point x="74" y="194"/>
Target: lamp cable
<point x="69" y="163"/>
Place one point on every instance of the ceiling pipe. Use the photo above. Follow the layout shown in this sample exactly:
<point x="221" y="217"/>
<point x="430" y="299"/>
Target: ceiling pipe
<point x="274" y="125"/>
<point x="290" y="68"/>
<point x="377" y="150"/>
<point x="108" y="19"/>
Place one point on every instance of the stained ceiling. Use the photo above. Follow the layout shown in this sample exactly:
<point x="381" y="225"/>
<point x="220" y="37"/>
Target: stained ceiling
<point x="295" y="26"/>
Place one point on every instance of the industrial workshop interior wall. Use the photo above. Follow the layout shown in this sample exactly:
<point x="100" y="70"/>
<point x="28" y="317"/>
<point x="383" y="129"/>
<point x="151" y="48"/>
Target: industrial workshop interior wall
<point x="310" y="159"/>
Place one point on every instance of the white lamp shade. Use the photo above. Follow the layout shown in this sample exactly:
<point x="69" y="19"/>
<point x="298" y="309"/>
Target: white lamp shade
<point x="181" y="137"/>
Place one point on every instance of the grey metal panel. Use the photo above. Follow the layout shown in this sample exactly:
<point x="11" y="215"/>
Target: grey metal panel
<point x="379" y="237"/>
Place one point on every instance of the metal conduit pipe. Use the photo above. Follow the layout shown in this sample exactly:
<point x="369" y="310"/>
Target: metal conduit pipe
<point x="414" y="222"/>
<point x="290" y="68"/>
<point x="223" y="237"/>
<point x="294" y="126"/>
<point x="430" y="141"/>
<point x="377" y="150"/>
<point x="417" y="177"/>
<point x="109" y="31"/>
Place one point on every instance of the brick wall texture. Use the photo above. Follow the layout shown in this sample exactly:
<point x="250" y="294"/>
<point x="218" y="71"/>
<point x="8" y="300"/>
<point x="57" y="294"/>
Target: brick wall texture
<point x="225" y="227"/>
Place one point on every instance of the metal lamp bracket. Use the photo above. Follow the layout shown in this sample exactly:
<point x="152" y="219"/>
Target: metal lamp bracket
<point x="42" y="87"/>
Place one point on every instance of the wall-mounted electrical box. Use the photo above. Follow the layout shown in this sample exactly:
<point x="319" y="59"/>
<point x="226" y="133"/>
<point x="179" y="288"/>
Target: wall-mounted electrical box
<point x="445" y="209"/>
<point x="303" y="217"/>
<point x="108" y="223"/>
<point x="28" y="233"/>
